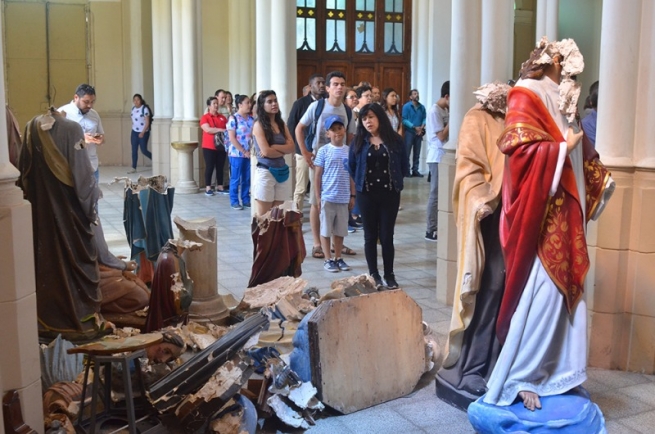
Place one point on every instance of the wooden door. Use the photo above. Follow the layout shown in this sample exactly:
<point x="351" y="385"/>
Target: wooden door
<point x="368" y="40"/>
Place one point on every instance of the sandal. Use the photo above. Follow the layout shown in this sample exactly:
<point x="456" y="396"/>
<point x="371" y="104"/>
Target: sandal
<point x="317" y="252"/>
<point x="346" y="251"/>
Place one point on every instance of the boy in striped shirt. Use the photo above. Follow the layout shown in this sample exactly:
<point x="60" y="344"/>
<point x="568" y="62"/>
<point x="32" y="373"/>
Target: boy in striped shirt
<point x="335" y="192"/>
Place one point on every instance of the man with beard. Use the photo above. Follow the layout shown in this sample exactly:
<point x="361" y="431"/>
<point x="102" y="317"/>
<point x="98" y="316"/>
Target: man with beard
<point x="81" y="110"/>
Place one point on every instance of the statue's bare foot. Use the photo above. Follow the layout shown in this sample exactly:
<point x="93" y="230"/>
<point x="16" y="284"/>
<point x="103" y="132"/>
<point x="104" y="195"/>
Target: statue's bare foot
<point x="530" y="400"/>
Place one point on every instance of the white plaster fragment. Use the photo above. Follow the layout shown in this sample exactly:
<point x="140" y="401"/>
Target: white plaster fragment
<point x="286" y="414"/>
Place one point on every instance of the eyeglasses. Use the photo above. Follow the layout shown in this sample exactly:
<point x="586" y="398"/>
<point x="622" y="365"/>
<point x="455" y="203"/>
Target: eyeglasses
<point x="351" y="97"/>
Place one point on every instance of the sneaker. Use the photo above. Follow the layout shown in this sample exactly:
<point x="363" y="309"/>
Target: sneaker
<point x="342" y="264"/>
<point x="224" y="191"/>
<point x="209" y="192"/>
<point x="431" y="236"/>
<point x="378" y="280"/>
<point x="352" y="223"/>
<point x="416" y="175"/>
<point x="331" y="266"/>
<point x="133" y="170"/>
<point x="359" y="220"/>
<point x="237" y="206"/>
<point x="351" y="229"/>
<point x="246" y="205"/>
<point x="391" y="282"/>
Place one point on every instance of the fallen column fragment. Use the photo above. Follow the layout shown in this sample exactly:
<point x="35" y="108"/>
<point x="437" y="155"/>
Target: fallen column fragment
<point x="169" y="392"/>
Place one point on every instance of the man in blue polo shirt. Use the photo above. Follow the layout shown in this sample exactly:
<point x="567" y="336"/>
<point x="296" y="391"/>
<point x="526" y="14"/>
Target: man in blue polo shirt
<point x="414" y="121"/>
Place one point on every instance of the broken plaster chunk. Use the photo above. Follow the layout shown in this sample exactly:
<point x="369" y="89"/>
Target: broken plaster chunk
<point x="304" y="396"/>
<point x="286" y="414"/>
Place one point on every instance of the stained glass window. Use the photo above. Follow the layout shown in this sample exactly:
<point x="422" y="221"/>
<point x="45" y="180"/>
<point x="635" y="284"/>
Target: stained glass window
<point x="306" y="25"/>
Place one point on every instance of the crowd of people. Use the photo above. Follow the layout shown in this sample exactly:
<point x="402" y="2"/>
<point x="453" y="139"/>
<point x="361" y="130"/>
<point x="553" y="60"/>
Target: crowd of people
<point x="371" y="137"/>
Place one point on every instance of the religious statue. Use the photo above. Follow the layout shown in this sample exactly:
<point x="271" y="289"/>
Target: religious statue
<point x="472" y="345"/>
<point x="553" y="184"/>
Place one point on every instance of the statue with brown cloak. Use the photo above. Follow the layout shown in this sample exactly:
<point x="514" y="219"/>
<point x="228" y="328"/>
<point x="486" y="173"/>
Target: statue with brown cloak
<point x="57" y="179"/>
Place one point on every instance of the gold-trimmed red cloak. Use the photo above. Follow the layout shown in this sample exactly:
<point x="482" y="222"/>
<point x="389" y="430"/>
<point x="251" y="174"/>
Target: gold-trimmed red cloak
<point x="532" y="222"/>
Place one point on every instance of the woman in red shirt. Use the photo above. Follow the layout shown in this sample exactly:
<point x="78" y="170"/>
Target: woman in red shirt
<point x="213" y="123"/>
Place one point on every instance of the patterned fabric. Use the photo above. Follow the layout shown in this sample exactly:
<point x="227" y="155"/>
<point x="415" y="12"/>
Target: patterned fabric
<point x="139" y="115"/>
<point x="243" y="130"/>
<point x="335" y="183"/>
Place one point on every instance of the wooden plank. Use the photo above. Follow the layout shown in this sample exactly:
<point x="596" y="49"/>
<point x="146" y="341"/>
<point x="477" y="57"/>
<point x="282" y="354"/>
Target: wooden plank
<point x="366" y="350"/>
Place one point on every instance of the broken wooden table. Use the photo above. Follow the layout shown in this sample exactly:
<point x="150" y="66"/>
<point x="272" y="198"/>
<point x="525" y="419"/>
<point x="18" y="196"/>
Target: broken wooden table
<point x="106" y="352"/>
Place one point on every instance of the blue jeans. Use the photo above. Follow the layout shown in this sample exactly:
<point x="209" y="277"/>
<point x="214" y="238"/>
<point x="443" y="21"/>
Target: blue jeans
<point x="413" y="142"/>
<point x="239" y="176"/>
<point x="139" y="142"/>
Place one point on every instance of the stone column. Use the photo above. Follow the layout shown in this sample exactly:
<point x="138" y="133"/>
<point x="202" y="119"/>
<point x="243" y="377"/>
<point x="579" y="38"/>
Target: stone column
<point x="185" y="126"/>
<point x="20" y="367"/>
<point x="497" y="35"/>
<point x="438" y="33"/>
<point x="263" y="52"/>
<point x="162" y="58"/>
<point x="283" y="48"/>
<point x="242" y="47"/>
<point x="136" y="48"/>
<point x="615" y="141"/>
<point x="202" y="266"/>
<point x="185" y="183"/>
<point x="547" y="19"/>
<point x="465" y="51"/>
<point x="622" y="301"/>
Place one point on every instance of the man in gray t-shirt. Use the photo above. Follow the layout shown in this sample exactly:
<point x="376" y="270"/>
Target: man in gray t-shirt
<point x="336" y="89"/>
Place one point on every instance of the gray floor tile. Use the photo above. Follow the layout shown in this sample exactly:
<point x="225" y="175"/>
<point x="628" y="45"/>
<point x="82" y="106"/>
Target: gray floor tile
<point x="617" y="427"/>
<point x="617" y="405"/>
<point x="643" y="392"/>
<point x="642" y="423"/>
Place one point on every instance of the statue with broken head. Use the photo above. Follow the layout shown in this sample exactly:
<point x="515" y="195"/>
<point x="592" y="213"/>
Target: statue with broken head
<point x="553" y="184"/>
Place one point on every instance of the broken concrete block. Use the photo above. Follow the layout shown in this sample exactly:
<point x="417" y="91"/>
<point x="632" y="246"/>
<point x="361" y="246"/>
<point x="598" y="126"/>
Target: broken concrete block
<point x="366" y="350"/>
<point x="350" y="287"/>
<point x="270" y="293"/>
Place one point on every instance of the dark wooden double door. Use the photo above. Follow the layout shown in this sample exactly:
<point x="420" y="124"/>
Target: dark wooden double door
<point x="383" y="62"/>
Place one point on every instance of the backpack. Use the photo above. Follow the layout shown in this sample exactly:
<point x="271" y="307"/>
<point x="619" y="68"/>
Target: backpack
<point x="313" y="128"/>
<point x="151" y="114"/>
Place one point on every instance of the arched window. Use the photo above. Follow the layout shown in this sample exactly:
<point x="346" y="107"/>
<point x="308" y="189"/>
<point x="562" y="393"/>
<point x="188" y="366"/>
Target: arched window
<point x="368" y="40"/>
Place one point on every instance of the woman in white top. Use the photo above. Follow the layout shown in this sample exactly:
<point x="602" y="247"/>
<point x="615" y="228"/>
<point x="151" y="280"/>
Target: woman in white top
<point x="390" y="105"/>
<point x="141" y="115"/>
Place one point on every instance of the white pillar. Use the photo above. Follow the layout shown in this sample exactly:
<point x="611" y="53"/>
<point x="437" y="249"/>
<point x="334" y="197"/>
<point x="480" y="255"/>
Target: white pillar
<point x="547" y="19"/>
<point x="162" y="59"/>
<point x="645" y="127"/>
<point x="621" y="30"/>
<point x="283" y="38"/>
<point x="178" y="55"/>
<point x="464" y="62"/>
<point x="242" y="53"/>
<point x="20" y="368"/>
<point x="422" y="43"/>
<point x="264" y="48"/>
<point x="497" y="36"/>
<point x="136" y="48"/>
<point x="189" y="52"/>
<point x="439" y="28"/>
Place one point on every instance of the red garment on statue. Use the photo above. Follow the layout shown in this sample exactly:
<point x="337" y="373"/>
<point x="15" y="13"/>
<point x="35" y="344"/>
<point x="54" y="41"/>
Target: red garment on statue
<point x="532" y="222"/>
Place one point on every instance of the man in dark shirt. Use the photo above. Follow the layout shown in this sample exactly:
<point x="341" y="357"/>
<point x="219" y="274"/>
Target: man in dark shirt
<point x="316" y="91"/>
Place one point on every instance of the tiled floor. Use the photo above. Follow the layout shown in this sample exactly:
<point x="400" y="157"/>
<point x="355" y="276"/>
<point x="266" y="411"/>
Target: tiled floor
<point x="626" y="399"/>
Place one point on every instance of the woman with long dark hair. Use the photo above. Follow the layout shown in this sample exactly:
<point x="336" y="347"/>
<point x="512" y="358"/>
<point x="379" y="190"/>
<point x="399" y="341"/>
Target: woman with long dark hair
<point x="272" y="141"/>
<point x="141" y="115"/>
<point x="239" y="128"/>
<point x="377" y="163"/>
<point x="213" y="123"/>
<point x="390" y="105"/>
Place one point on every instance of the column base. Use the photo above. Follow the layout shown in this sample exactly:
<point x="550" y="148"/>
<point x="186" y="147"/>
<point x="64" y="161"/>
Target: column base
<point x="186" y="187"/>
<point x="209" y="310"/>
